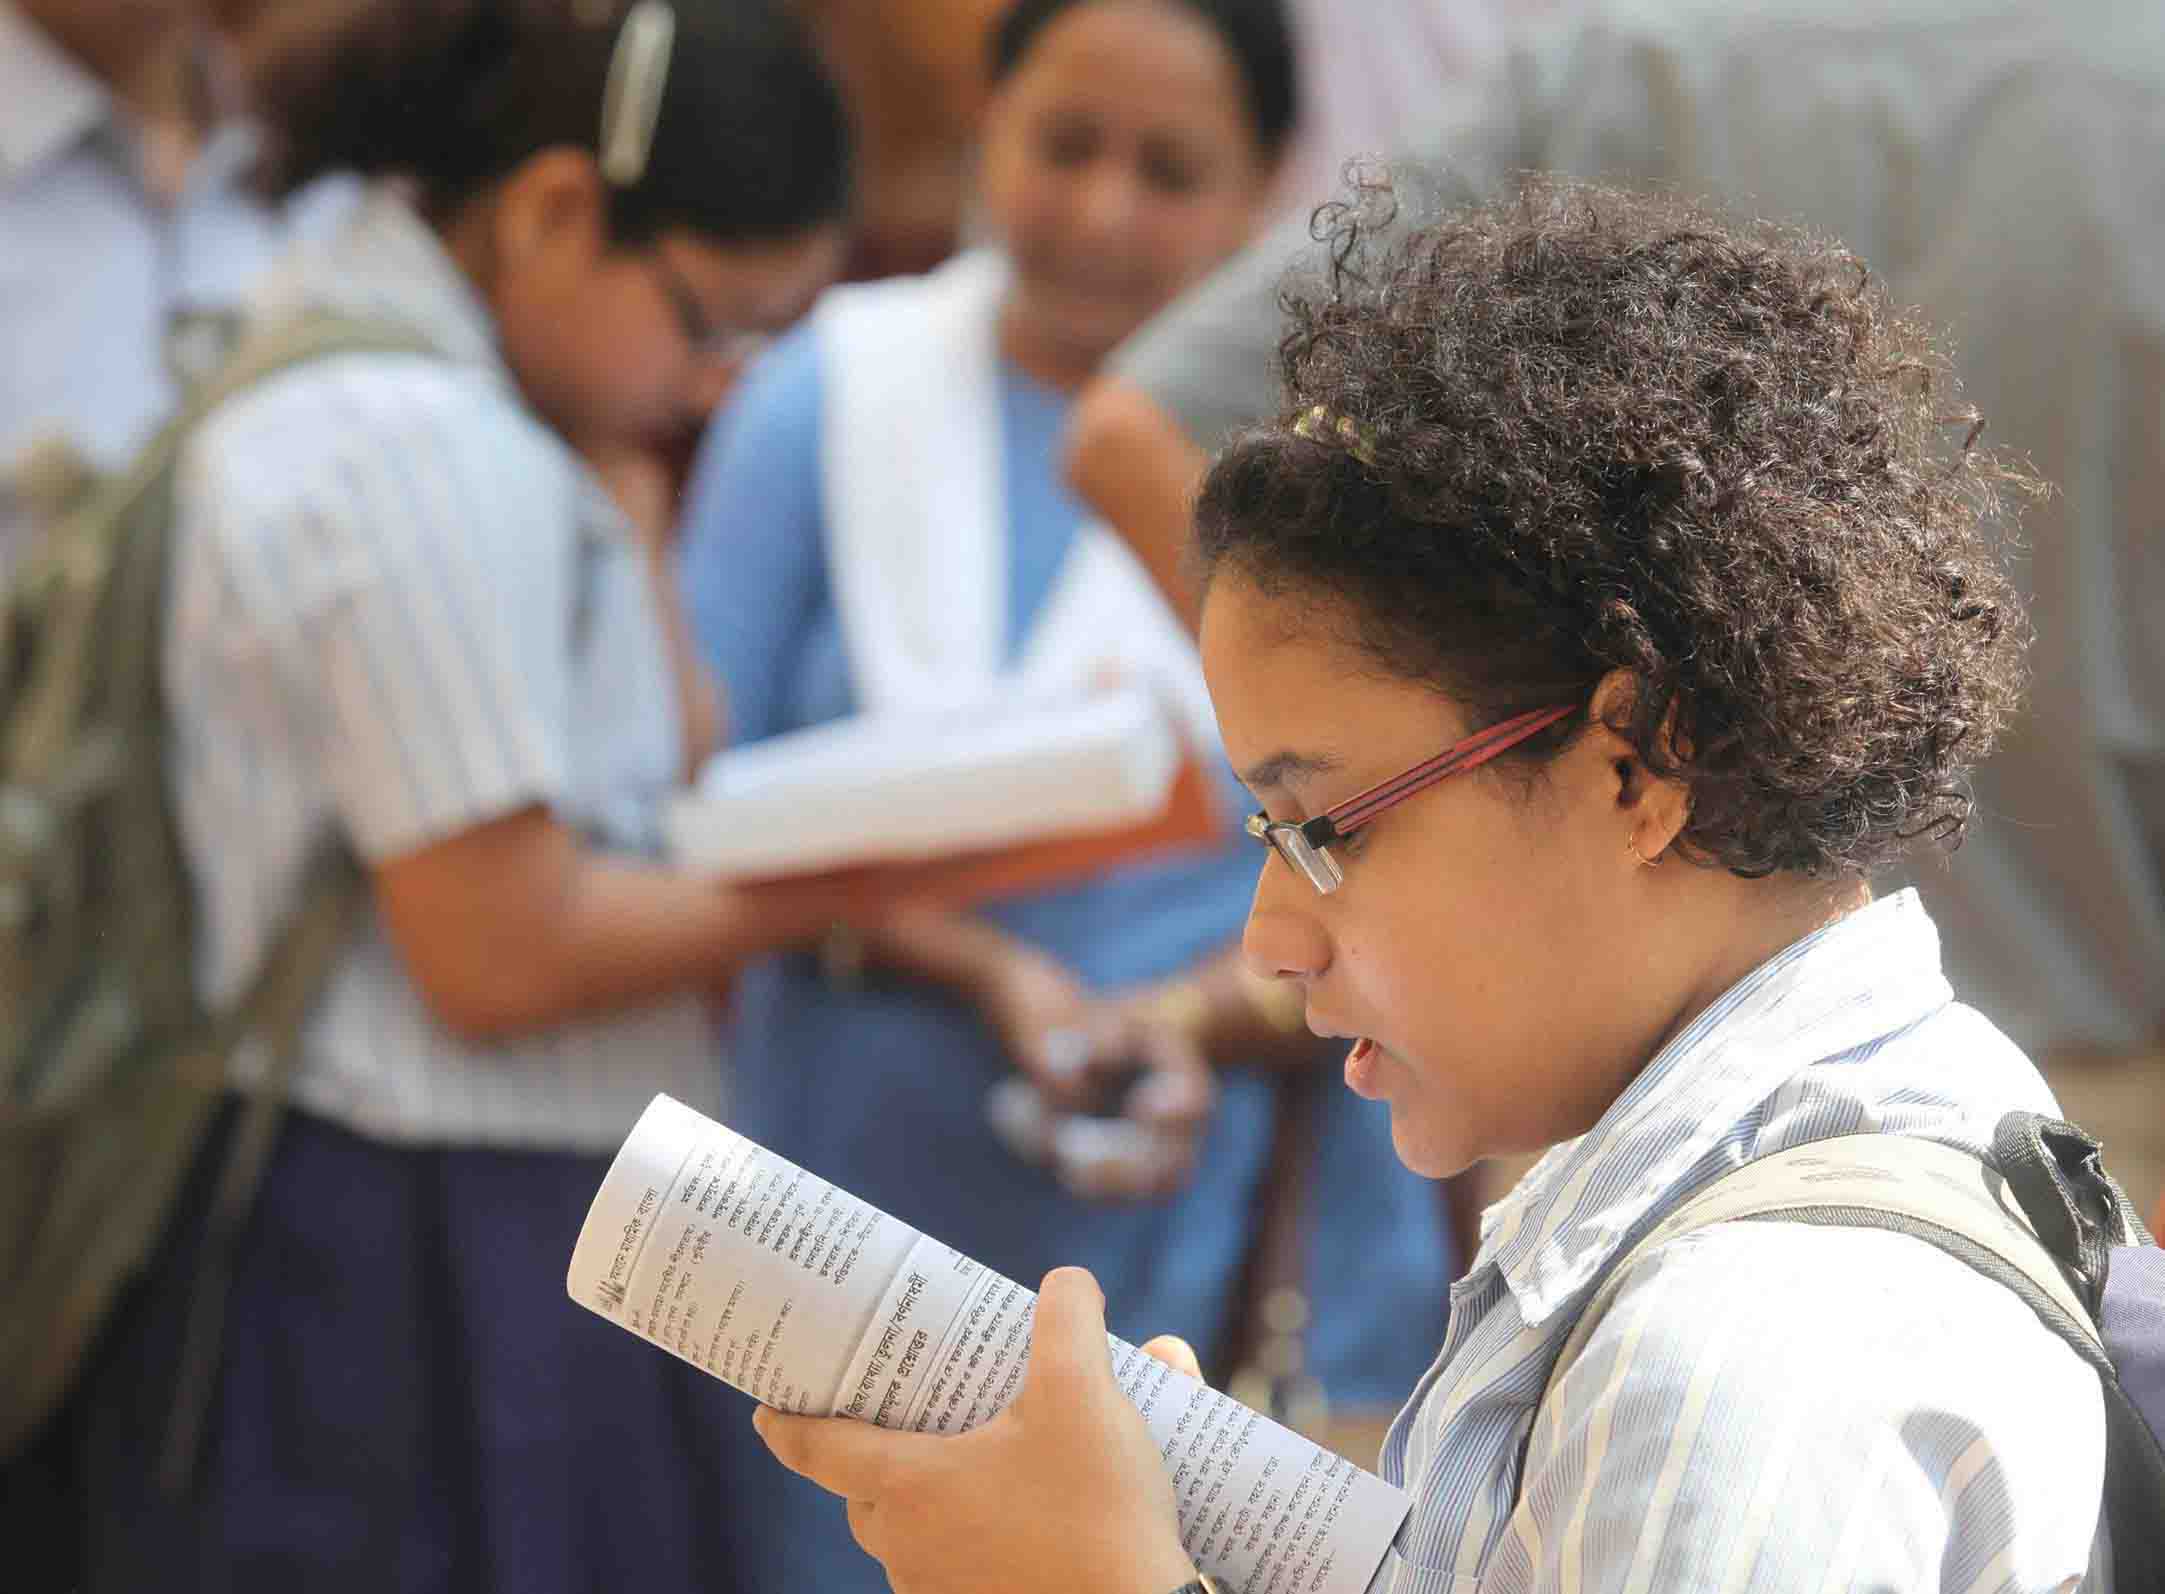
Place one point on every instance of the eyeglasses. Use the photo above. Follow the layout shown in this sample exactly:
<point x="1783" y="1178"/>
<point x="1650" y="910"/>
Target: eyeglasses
<point x="1305" y="845"/>
<point x="708" y="337"/>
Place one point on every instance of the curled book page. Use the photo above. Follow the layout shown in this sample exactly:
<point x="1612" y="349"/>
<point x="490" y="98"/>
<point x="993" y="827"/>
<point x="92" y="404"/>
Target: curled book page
<point x="802" y="1296"/>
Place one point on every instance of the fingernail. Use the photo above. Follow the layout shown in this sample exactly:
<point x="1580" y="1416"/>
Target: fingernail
<point x="759" y="1420"/>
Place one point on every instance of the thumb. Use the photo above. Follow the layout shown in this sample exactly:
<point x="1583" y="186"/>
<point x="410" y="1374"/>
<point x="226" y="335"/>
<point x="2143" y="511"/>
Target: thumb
<point x="1177" y="1354"/>
<point x="1067" y="1338"/>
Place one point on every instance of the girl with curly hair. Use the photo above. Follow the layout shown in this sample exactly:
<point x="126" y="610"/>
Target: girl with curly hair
<point x="1666" y="538"/>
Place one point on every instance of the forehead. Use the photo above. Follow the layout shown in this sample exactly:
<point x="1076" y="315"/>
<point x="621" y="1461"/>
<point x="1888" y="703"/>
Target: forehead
<point x="764" y="283"/>
<point x="1135" y="56"/>
<point x="1284" y="679"/>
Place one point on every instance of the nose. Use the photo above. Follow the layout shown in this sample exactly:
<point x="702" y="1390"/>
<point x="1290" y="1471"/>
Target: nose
<point x="1284" y="939"/>
<point x="1106" y="207"/>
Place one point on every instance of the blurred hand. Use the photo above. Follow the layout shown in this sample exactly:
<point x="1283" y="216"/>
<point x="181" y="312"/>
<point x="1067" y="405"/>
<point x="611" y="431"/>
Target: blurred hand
<point x="1040" y="1011"/>
<point x="1062" y="1493"/>
<point x="644" y="485"/>
<point x="1112" y="1096"/>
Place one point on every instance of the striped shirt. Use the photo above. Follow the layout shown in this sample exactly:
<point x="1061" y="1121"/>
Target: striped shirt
<point x="1768" y="1406"/>
<point x="401" y="608"/>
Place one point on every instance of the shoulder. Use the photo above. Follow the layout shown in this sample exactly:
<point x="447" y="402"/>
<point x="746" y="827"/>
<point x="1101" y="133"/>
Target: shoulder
<point x="759" y="463"/>
<point x="1785" y="1387"/>
<point x="781" y="390"/>
<point x="1898" y="1319"/>
<point x="347" y="462"/>
<point x="347" y="406"/>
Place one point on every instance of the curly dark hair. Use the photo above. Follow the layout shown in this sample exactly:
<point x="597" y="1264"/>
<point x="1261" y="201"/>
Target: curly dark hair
<point x="1586" y="430"/>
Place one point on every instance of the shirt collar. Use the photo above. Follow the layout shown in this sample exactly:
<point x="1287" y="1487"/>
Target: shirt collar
<point x="387" y="263"/>
<point x="1867" y="975"/>
<point x="48" y="100"/>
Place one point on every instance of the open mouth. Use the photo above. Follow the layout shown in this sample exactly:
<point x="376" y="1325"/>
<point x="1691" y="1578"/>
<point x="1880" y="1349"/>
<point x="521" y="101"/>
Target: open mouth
<point x="1363" y="1075"/>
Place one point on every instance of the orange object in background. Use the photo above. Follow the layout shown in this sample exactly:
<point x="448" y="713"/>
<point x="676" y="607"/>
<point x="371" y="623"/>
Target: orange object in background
<point x="913" y="73"/>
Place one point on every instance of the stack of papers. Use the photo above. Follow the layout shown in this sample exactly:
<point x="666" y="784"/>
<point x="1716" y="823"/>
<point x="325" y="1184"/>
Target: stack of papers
<point x="893" y="787"/>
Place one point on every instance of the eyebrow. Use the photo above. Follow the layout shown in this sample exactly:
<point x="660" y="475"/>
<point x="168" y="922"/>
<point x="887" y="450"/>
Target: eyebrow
<point x="1282" y="768"/>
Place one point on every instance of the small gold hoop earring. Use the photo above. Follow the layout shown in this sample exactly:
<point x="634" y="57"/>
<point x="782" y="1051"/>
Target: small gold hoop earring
<point x="1631" y="844"/>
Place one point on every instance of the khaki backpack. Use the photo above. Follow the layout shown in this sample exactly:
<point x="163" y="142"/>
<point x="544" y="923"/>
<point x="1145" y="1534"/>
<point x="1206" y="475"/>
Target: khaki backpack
<point x="111" y="1071"/>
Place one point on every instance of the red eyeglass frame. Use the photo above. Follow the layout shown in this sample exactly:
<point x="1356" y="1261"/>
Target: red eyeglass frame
<point x="1302" y="844"/>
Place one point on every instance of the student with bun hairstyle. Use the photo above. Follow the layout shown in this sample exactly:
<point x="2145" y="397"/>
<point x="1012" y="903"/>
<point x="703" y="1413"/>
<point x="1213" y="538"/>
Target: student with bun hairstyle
<point x="407" y="619"/>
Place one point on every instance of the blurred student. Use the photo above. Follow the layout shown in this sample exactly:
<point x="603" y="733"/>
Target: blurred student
<point x="406" y="619"/>
<point x="131" y="236"/>
<point x="879" y="523"/>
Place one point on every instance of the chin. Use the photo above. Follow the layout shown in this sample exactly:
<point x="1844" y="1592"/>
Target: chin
<point x="1427" y="1153"/>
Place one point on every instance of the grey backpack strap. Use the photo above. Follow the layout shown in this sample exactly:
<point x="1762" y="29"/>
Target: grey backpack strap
<point x="1950" y="1199"/>
<point x="274" y="1007"/>
<point x="274" y="1011"/>
<point x="1960" y="1204"/>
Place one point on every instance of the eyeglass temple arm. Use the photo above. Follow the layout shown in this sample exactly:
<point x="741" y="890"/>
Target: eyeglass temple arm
<point x="1474" y="751"/>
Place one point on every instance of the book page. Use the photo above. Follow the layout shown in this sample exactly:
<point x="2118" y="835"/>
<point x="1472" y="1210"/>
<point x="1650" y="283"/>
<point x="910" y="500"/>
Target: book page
<point x="802" y="1296"/>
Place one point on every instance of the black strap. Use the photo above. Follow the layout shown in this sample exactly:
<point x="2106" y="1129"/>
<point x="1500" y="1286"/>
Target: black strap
<point x="2057" y="1172"/>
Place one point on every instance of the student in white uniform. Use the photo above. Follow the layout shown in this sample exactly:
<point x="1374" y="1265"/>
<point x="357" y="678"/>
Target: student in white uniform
<point x="406" y="618"/>
<point x="1640" y="526"/>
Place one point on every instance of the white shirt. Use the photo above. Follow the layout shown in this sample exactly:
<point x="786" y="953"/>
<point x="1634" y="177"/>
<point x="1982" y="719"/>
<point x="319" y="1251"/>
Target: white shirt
<point x="1768" y="1406"/>
<point x="98" y="277"/>
<point x="402" y="608"/>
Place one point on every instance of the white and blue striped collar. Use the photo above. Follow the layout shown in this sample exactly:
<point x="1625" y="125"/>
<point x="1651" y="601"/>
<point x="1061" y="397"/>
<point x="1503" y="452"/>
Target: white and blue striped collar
<point x="48" y="100"/>
<point x="387" y="262"/>
<point x="1869" y="974"/>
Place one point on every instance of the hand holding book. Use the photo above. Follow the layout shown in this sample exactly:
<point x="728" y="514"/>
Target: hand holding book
<point x="821" y="1306"/>
<point x="1063" y="1491"/>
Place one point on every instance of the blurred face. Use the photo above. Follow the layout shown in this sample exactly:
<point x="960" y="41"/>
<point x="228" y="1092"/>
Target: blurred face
<point x="624" y="344"/>
<point x="1119" y="165"/>
<point x="1492" y="959"/>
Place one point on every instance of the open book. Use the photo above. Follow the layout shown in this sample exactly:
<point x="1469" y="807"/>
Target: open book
<point x="881" y="788"/>
<point x="804" y="1297"/>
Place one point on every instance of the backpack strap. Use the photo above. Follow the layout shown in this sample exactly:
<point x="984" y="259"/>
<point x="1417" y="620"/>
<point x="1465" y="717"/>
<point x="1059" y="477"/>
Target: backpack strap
<point x="274" y="1007"/>
<point x="1957" y="1203"/>
<point x="2079" y="1211"/>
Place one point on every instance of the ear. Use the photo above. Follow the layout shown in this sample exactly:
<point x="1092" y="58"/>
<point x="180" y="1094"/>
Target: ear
<point x="1652" y="808"/>
<point x="553" y="205"/>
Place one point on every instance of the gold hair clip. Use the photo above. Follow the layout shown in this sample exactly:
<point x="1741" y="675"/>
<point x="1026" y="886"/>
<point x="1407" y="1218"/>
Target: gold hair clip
<point x="1319" y="425"/>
